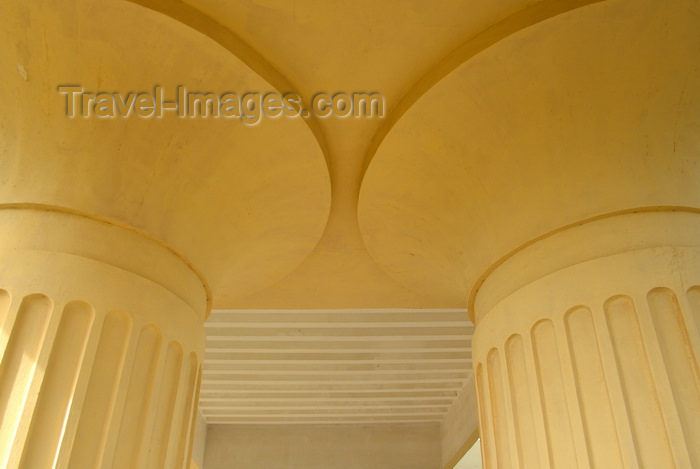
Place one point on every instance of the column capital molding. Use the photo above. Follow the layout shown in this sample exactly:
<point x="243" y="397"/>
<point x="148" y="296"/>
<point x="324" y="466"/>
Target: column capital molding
<point x="38" y="228"/>
<point x="593" y="238"/>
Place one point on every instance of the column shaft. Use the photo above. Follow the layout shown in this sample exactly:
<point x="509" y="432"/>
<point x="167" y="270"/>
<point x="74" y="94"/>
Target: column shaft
<point x="101" y="345"/>
<point x="595" y="363"/>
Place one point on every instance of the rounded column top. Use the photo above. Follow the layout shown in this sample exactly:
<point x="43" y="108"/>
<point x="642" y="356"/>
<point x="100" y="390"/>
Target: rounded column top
<point x="43" y="228"/>
<point x="593" y="238"/>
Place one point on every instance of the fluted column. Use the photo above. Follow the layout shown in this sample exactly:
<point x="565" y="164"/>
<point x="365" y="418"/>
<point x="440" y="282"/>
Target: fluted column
<point x="101" y="344"/>
<point x="586" y="347"/>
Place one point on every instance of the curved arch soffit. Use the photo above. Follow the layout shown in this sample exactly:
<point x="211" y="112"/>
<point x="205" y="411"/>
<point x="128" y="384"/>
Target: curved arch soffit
<point x="487" y="37"/>
<point x="484" y="39"/>
<point x="209" y="27"/>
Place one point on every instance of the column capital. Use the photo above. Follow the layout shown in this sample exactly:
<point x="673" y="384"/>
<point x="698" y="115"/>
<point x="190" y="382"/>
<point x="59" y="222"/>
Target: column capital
<point x="72" y="252"/>
<point x="594" y="238"/>
<point x="101" y="343"/>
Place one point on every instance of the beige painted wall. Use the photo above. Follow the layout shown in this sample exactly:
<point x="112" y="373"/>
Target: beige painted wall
<point x="459" y="429"/>
<point x="297" y="447"/>
<point x="199" y="443"/>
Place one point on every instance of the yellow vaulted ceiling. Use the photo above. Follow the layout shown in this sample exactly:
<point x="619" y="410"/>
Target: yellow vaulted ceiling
<point x="244" y="204"/>
<point x="558" y="123"/>
<point x="505" y="120"/>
